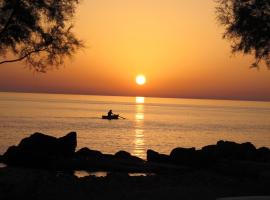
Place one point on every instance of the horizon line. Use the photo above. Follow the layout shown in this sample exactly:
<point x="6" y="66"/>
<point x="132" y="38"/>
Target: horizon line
<point x="115" y="95"/>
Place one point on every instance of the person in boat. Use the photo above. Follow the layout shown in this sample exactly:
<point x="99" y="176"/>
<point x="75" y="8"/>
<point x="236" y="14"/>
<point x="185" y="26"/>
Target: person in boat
<point x="110" y="113"/>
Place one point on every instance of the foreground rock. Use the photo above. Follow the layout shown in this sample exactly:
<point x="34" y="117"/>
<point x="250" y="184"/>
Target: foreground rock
<point x="220" y="170"/>
<point x="91" y="160"/>
<point x="47" y="152"/>
<point x="223" y="151"/>
<point x="154" y="156"/>
<point x="39" y="150"/>
<point x="35" y="184"/>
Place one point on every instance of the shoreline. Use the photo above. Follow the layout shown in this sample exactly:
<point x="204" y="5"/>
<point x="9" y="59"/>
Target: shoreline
<point x="17" y="183"/>
<point x="44" y="167"/>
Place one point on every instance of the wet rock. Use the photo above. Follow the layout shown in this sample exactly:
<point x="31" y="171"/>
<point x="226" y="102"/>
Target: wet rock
<point x="66" y="145"/>
<point x="263" y="154"/>
<point x="154" y="156"/>
<point x="234" y="151"/>
<point x="127" y="156"/>
<point x="39" y="149"/>
<point x="209" y="154"/>
<point x="183" y="156"/>
<point x="243" y="169"/>
<point x="85" y="152"/>
<point x="117" y="175"/>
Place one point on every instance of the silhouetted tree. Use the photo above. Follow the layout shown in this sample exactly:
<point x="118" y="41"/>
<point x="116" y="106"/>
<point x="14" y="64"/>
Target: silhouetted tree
<point x="37" y="32"/>
<point x="247" y="24"/>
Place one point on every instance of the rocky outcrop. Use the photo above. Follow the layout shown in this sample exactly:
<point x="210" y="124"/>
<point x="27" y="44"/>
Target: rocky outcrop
<point x="263" y="154"/>
<point x="154" y="156"/>
<point x="212" y="154"/>
<point x="86" y="152"/>
<point x="183" y="156"/>
<point x="19" y="183"/>
<point x="43" y="151"/>
<point x="127" y="156"/>
<point x="235" y="151"/>
<point x="40" y="150"/>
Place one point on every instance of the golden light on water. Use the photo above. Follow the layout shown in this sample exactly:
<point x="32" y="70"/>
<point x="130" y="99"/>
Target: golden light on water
<point x="140" y="79"/>
<point x="139" y="100"/>
<point x="139" y="116"/>
<point x="139" y="143"/>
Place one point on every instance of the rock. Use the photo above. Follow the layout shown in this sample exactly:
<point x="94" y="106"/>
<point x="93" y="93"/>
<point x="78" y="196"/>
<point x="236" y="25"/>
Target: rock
<point x="154" y="156"/>
<point x="243" y="168"/>
<point x="67" y="144"/>
<point x="234" y="151"/>
<point x="127" y="156"/>
<point x="203" y="159"/>
<point x="209" y="154"/>
<point x="13" y="156"/>
<point x="85" y="152"/>
<point x="263" y="154"/>
<point x="183" y="156"/>
<point x="247" y="151"/>
<point x="39" y="150"/>
<point x="210" y="149"/>
<point x="123" y="154"/>
<point x="226" y="149"/>
<point x="117" y="176"/>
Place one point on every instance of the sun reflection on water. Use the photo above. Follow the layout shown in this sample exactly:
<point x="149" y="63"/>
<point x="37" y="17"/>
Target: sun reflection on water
<point x="139" y="149"/>
<point x="139" y="100"/>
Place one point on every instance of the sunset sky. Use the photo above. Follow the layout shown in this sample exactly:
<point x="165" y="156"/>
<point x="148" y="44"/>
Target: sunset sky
<point x="176" y="44"/>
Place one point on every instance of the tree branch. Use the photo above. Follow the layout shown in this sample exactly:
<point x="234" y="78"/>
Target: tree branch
<point x="23" y="57"/>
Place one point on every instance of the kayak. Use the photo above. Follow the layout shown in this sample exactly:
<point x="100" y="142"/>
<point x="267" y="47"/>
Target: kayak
<point x="110" y="117"/>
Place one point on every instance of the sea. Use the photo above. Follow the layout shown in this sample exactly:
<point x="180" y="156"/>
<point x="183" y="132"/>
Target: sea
<point x="160" y="124"/>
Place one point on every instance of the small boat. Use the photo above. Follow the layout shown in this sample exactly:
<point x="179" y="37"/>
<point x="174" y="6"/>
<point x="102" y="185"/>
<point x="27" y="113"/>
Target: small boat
<point x="110" y="117"/>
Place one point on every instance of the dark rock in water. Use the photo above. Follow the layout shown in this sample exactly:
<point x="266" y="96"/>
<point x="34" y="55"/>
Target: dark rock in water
<point x="154" y="156"/>
<point x="247" y="151"/>
<point x="12" y="156"/>
<point x="210" y="149"/>
<point x="263" y="154"/>
<point x="127" y="156"/>
<point x="183" y="156"/>
<point x="209" y="153"/>
<point x="67" y="144"/>
<point x="117" y="176"/>
<point x="85" y="152"/>
<point x="234" y="151"/>
<point x="212" y="154"/>
<point x="39" y="150"/>
<point x="123" y="154"/>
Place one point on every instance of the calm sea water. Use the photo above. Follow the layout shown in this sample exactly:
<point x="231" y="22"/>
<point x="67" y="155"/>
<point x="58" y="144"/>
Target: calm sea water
<point x="151" y="123"/>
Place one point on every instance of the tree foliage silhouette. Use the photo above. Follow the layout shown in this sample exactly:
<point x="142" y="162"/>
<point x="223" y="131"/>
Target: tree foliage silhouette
<point x="247" y="24"/>
<point x="38" y="32"/>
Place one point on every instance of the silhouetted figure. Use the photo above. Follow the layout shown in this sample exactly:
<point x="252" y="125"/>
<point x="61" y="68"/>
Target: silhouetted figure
<point x="110" y="113"/>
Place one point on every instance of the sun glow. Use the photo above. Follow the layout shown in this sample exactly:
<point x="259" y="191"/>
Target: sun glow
<point x="140" y="79"/>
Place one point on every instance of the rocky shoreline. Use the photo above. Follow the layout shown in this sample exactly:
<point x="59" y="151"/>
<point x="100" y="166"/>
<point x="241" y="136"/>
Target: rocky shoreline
<point x="41" y="167"/>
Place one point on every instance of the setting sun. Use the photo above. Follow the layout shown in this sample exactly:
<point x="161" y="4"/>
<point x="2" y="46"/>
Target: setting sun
<point x="140" y="79"/>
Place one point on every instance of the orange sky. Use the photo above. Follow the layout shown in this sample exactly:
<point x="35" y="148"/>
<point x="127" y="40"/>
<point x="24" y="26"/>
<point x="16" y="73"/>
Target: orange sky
<point x="176" y="44"/>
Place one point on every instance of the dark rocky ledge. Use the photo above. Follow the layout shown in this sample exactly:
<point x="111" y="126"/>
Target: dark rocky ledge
<point x="36" y="184"/>
<point x="46" y="152"/>
<point x="41" y="167"/>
